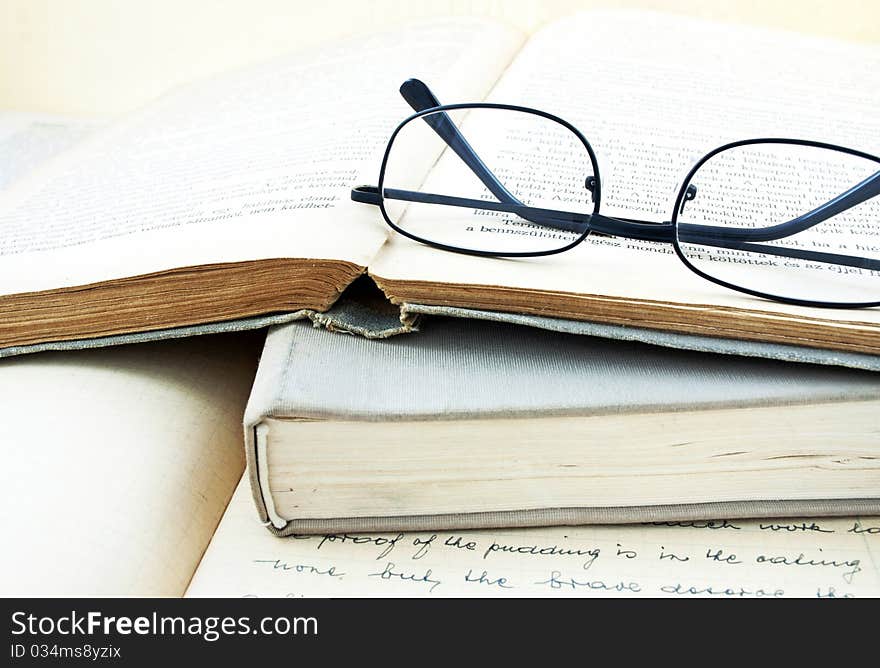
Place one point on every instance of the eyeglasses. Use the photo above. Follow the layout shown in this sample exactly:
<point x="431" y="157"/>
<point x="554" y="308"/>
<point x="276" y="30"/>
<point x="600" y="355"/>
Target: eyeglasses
<point x="790" y="220"/>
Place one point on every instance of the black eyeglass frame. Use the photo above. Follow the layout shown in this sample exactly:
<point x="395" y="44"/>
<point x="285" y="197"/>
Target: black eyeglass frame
<point x="426" y="105"/>
<point x="679" y="199"/>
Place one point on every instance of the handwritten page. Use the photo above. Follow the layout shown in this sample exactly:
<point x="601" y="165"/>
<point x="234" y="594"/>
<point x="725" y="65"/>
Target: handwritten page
<point x="717" y="559"/>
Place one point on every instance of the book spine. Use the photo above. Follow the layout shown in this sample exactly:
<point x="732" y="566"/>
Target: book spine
<point x="275" y="363"/>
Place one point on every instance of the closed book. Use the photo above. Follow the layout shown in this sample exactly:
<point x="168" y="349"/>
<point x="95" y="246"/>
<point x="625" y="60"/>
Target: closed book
<point x="470" y="424"/>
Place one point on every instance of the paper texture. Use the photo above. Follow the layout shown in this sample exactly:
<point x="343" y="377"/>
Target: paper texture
<point x="28" y="140"/>
<point x="254" y="164"/>
<point x="118" y="464"/>
<point x="650" y="111"/>
<point x="711" y="559"/>
<point x="349" y="315"/>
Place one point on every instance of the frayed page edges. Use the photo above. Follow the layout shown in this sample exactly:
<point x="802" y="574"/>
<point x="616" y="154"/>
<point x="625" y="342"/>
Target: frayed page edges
<point x="365" y="310"/>
<point x="361" y="309"/>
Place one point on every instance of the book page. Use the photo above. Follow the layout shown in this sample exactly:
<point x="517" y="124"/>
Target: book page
<point x="250" y="165"/>
<point x="119" y="463"/>
<point x="821" y="557"/>
<point x="652" y="93"/>
<point x="27" y="140"/>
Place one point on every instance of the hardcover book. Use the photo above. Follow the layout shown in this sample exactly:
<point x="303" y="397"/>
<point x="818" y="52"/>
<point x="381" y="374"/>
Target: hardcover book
<point x="480" y="424"/>
<point x="227" y="203"/>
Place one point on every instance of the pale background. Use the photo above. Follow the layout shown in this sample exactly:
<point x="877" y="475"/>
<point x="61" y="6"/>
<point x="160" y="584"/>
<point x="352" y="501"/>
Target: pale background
<point x="108" y="56"/>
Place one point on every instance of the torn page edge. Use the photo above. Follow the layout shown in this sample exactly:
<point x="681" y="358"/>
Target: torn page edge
<point x="364" y="309"/>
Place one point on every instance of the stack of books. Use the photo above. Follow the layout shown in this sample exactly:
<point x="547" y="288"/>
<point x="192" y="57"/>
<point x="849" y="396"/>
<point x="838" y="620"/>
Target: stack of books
<point x="479" y="402"/>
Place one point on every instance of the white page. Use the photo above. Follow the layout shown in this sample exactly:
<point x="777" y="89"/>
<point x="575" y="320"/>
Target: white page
<point x="29" y="139"/>
<point x="653" y="93"/>
<point x="250" y="165"/>
<point x="118" y="463"/>
<point x="717" y="559"/>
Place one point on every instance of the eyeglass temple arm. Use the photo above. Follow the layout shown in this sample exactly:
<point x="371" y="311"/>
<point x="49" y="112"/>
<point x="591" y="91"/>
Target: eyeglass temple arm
<point x="578" y="223"/>
<point x="419" y="97"/>
<point x="861" y="192"/>
<point x="619" y="227"/>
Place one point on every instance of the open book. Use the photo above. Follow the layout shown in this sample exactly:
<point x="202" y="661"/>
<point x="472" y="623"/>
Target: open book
<point x="229" y="200"/>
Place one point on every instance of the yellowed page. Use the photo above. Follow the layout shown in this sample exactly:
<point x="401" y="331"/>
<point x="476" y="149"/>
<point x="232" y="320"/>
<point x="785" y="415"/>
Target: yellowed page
<point x="315" y="471"/>
<point x="249" y="165"/>
<point x="118" y="464"/>
<point x="653" y="93"/>
<point x="716" y="559"/>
